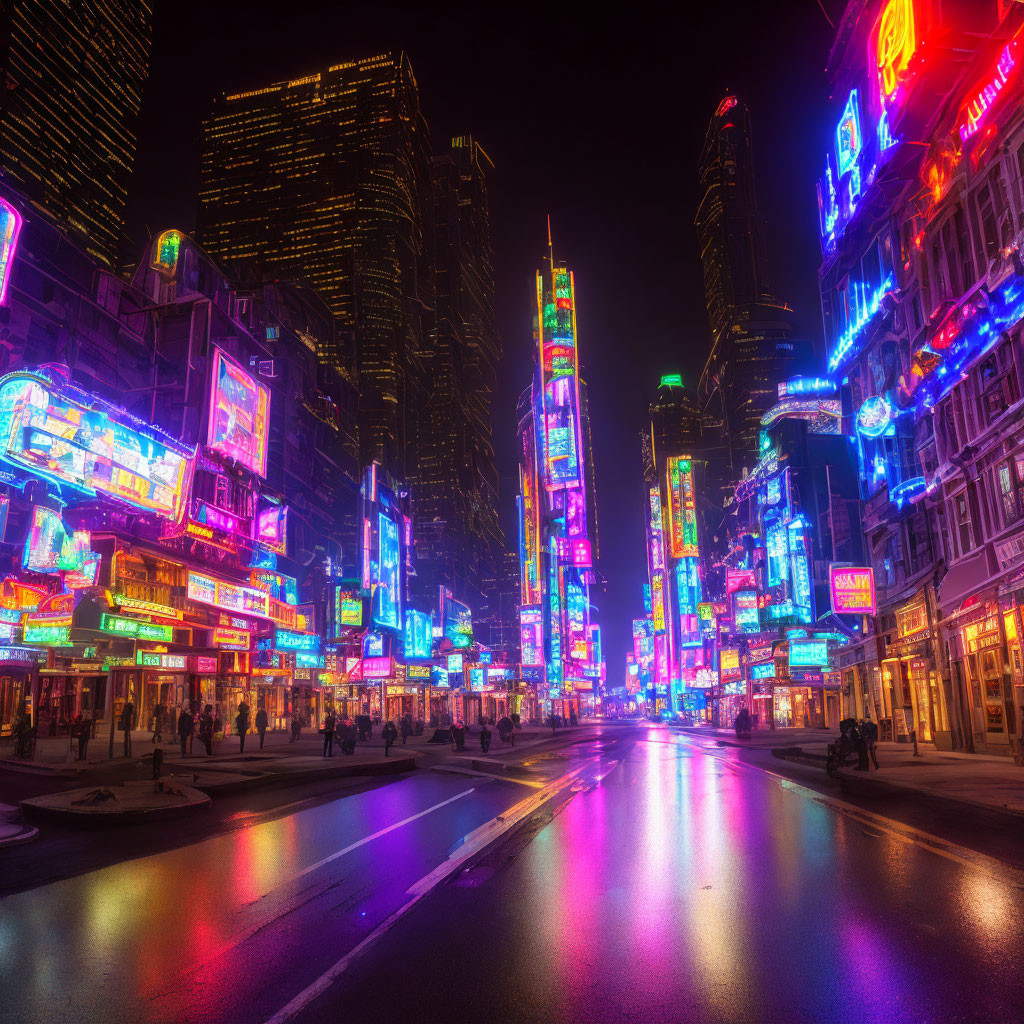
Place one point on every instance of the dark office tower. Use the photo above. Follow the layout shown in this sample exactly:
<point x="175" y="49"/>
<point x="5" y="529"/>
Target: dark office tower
<point x="326" y="178"/>
<point x="456" y="482"/>
<point x="675" y="425"/>
<point x="73" y="75"/>
<point x="751" y="334"/>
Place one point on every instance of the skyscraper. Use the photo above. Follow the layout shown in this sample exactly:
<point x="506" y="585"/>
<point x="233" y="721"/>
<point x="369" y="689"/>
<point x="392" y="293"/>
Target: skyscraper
<point x="73" y="76"/>
<point x="751" y="335"/>
<point x="675" y="425"/>
<point x="456" y="482"/>
<point x="560" y="642"/>
<point x="327" y="178"/>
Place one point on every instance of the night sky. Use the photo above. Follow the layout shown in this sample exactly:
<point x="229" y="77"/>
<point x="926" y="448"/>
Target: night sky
<point x="594" y="117"/>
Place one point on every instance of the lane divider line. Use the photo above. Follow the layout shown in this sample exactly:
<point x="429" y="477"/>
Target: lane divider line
<point x="474" y="842"/>
<point x="458" y="770"/>
<point x="906" y="833"/>
<point x="379" y="833"/>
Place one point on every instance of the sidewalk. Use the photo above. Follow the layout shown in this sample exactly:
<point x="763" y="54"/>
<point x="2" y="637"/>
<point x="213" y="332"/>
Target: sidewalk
<point x="982" y="780"/>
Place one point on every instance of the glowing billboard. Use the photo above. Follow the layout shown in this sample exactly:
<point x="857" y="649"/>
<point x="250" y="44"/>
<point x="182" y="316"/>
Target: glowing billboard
<point x="229" y="596"/>
<point x="419" y="634"/>
<point x="10" y="228"/>
<point x="387" y="598"/>
<point x="348" y="608"/>
<point x="531" y="635"/>
<point x="271" y="528"/>
<point x="682" y="515"/>
<point x="808" y="653"/>
<point x="66" y="435"/>
<point x="239" y="412"/>
<point x="853" y="590"/>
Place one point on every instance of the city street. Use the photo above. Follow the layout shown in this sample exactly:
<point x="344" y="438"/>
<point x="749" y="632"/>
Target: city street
<point x="667" y="879"/>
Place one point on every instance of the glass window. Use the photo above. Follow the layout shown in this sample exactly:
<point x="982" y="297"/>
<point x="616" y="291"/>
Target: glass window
<point x="1007" y="488"/>
<point x="962" y="522"/>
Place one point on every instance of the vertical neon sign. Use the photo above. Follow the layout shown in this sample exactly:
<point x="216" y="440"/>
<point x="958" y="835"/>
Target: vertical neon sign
<point x="10" y="228"/>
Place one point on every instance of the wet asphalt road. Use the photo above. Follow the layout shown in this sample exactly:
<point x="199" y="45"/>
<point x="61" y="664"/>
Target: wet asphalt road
<point x="673" y="882"/>
<point x="687" y="887"/>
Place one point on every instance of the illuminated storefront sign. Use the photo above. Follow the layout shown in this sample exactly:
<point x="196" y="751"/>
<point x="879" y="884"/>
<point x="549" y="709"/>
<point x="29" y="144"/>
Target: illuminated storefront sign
<point x="286" y="640"/>
<point x="67" y="435"/>
<point x="49" y="548"/>
<point x="229" y="596"/>
<point x="419" y="634"/>
<point x="848" y="135"/>
<point x="740" y="579"/>
<point x="531" y="635"/>
<point x="418" y="671"/>
<point x="729" y="663"/>
<point x="58" y="636"/>
<point x="376" y="668"/>
<point x="120" y="626"/>
<point x="239" y="414"/>
<point x="853" y="590"/>
<point x="763" y="671"/>
<point x="454" y="662"/>
<point x="476" y="678"/>
<point x="875" y="417"/>
<point x="151" y="659"/>
<point x="808" y="653"/>
<point x="746" y="615"/>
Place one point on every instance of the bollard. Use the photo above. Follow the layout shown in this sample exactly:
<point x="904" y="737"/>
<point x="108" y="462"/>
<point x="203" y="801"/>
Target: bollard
<point x="913" y="739"/>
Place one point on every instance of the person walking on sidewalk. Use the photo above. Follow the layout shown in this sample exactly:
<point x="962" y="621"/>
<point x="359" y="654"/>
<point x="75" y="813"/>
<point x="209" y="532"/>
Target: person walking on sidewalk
<point x="261" y="724"/>
<point x="390" y="734"/>
<point x="506" y="730"/>
<point x="125" y="723"/>
<point x="406" y="728"/>
<point x="328" y="731"/>
<point x="185" y="727"/>
<point x="242" y="725"/>
<point x="82" y="728"/>
<point x="159" y="713"/>
<point x="485" y="736"/>
<point x="206" y="729"/>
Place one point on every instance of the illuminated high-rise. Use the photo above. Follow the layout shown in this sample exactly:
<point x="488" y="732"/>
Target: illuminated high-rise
<point x="73" y="76"/>
<point x="751" y="334"/>
<point x="455" y="488"/>
<point x="327" y="178"/>
<point x="560" y="642"/>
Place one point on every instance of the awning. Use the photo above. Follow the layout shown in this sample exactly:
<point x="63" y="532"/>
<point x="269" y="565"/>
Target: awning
<point x="962" y="581"/>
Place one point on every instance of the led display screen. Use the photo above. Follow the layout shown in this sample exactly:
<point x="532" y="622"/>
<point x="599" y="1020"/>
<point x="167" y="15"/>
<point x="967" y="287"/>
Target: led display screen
<point x="229" y="596"/>
<point x="239" y="410"/>
<point x="272" y="528"/>
<point x="531" y="635"/>
<point x="120" y="626"/>
<point x="348" y="608"/>
<point x="286" y="640"/>
<point x="373" y="645"/>
<point x="853" y="590"/>
<point x="73" y="438"/>
<point x="458" y="622"/>
<point x="419" y="634"/>
<point x="747" y="617"/>
<point x="386" y="593"/>
<point x="808" y="653"/>
<point x="376" y="668"/>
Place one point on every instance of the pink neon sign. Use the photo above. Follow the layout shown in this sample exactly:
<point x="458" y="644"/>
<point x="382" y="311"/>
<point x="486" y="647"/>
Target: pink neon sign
<point x="978" y="107"/>
<point x="10" y="228"/>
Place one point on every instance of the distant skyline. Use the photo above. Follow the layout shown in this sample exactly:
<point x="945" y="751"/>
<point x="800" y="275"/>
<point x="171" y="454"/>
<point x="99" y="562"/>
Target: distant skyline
<point x="596" y="122"/>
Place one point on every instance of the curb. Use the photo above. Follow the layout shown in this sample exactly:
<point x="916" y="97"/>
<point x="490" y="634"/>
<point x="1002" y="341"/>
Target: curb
<point x="25" y="835"/>
<point x="92" y="819"/>
<point x="393" y="766"/>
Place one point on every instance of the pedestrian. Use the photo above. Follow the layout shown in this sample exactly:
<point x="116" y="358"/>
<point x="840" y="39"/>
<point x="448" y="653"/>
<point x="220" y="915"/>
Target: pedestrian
<point x="406" y="728"/>
<point x="242" y="725"/>
<point x="159" y="712"/>
<point x="553" y="722"/>
<point x="158" y="762"/>
<point x="328" y="731"/>
<point x="185" y="727"/>
<point x="348" y="744"/>
<point x="390" y="734"/>
<point x="573" y="720"/>
<point x="485" y="736"/>
<point x="261" y="723"/>
<point x="125" y="725"/>
<point x="459" y="735"/>
<point x="869" y="730"/>
<point x="860" y="744"/>
<point x="206" y="729"/>
<point x="296" y="728"/>
<point x="83" y="726"/>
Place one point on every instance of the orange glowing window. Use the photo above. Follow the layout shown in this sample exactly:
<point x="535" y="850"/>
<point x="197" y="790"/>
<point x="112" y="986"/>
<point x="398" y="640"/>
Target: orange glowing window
<point x="895" y="44"/>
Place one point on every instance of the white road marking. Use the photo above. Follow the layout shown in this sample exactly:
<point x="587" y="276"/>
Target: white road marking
<point x="474" y="842"/>
<point x="379" y="833"/>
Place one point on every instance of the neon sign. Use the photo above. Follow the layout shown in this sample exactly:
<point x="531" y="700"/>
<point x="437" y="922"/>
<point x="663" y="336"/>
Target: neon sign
<point x="229" y="596"/>
<point x="239" y="411"/>
<point x="990" y="92"/>
<point x="848" y="135"/>
<point x="151" y="659"/>
<point x="377" y="668"/>
<point x="866" y="305"/>
<point x="894" y="45"/>
<point x="682" y="511"/>
<point x="808" y="653"/>
<point x="531" y="635"/>
<point x="10" y="228"/>
<point x="386" y="596"/>
<point x="272" y="528"/>
<point x="136" y="628"/>
<point x="853" y="590"/>
<point x="874" y="417"/>
<point x="286" y="640"/>
<point x="348" y="608"/>
<point x="67" y="435"/>
<point x="232" y="639"/>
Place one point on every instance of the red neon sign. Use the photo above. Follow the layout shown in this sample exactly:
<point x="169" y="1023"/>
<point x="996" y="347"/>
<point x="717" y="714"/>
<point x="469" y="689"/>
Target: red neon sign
<point x="986" y="97"/>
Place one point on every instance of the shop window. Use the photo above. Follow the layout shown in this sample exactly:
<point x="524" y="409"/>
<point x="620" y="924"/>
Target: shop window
<point x="1007" y="488"/>
<point x="918" y="545"/>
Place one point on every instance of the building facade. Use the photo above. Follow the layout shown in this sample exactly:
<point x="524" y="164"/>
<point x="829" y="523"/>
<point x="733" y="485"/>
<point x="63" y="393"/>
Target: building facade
<point x="327" y="178"/>
<point x="73" y="81"/>
<point x="921" y="221"/>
